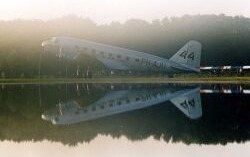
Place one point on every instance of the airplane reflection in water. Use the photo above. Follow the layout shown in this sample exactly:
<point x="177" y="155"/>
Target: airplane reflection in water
<point x="114" y="102"/>
<point x="186" y="99"/>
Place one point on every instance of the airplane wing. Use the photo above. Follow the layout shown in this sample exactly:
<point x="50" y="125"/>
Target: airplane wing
<point x="112" y="64"/>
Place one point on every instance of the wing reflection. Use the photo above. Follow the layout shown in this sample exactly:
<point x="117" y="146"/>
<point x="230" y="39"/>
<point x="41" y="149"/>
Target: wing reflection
<point x="187" y="100"/>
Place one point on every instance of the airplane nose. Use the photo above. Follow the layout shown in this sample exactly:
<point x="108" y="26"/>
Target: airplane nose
<point x="44" y="43"/>
<point x="49" y="46"/>
<point x="48" y="43"/>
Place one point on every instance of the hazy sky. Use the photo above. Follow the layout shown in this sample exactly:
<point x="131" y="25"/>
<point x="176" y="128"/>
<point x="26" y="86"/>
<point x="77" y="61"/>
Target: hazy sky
<point x="105" y="11"/>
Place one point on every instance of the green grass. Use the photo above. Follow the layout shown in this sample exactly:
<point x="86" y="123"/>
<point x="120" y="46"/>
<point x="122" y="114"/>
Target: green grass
<point x="127" y="79"/>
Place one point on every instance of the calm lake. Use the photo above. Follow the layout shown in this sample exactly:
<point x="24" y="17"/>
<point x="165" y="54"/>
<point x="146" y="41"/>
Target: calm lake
<point x="125" y="120"/>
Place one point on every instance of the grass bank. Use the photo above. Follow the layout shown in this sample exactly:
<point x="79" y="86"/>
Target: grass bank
<point x="198" y="80"/>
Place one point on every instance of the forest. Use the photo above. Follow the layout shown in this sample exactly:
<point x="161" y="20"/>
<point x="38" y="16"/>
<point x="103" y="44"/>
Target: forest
<point x="224" y="39"/>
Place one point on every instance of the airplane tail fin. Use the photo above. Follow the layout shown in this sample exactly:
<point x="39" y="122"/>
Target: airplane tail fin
<point x="189" y="56"/>
<point x="189" y="103"/>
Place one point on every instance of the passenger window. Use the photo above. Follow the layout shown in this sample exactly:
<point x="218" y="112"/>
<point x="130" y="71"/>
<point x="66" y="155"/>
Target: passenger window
<point x="119" y="56"/>
<point x="93" y="108"/>
<point x="85" y="110"/>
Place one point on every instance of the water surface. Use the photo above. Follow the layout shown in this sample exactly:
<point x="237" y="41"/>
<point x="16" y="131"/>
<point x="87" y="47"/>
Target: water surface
<point x="124" y="120"/>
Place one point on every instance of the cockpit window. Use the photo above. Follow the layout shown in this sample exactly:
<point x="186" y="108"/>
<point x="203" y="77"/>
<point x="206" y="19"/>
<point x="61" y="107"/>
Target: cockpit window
<point x="55" y="40"/>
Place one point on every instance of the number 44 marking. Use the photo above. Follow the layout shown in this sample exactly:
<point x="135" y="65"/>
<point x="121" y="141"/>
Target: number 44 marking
<point x="189" y="55"/>
<point x="187" y="103"/>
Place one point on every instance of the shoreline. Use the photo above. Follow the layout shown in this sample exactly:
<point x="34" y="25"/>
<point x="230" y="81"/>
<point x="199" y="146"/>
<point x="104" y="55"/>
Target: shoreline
<point x="184" y="80"/>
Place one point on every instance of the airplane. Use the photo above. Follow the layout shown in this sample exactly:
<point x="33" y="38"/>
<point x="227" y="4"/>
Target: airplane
<point x="187" y="59"/>
<point x="118" y="101"/>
